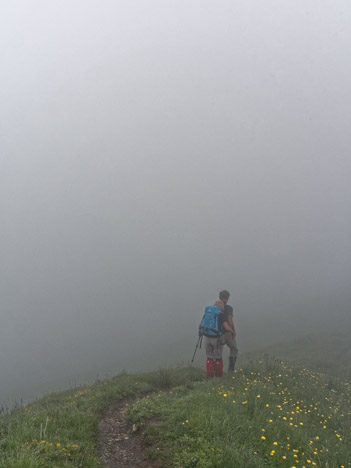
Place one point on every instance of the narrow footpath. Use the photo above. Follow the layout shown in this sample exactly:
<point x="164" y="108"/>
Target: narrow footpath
<point x="118" y="445"/>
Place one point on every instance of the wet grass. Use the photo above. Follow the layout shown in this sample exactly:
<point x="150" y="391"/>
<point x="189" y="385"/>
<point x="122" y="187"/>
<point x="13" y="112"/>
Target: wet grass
<point x="269" y="414"/>
<point x="61" y="429"/>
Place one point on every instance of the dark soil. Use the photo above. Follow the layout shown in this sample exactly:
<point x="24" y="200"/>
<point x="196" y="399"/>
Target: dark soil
<point x="118" y="445"/>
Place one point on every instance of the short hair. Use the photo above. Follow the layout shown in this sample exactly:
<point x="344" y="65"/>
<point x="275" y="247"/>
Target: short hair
<point x="220" y="304"/>
<point x="224" y="295"/>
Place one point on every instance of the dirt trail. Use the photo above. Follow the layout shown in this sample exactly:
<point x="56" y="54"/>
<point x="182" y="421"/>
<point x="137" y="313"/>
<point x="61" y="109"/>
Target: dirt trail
<point x="118" y="446"/>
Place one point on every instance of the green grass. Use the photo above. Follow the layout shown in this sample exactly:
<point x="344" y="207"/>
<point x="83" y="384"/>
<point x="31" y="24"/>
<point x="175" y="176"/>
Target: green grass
<point x="328" y="352"/>
<point x="268" y="415"/>
<point x="60" y="430"/>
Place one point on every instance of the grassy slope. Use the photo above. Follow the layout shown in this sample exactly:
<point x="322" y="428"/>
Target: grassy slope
<point x="268" y="415"/>
<point x="326" y="352"/>
<point x="61" y="429"/>
<point x="268" y="411"/>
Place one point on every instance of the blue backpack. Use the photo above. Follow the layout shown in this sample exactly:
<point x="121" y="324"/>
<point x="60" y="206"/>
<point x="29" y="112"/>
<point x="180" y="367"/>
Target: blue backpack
<point x="209" y="325"/>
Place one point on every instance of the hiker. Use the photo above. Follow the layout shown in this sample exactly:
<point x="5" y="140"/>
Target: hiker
<point x="229" y="334"/>
<point x="212" y="326"/>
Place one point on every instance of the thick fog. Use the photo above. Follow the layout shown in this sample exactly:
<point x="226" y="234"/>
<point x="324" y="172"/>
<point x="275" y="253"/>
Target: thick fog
<point x="154" y="153"/>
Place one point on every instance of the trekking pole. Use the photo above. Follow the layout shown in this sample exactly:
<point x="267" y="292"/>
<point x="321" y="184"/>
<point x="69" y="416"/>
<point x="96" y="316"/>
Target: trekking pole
<point x="199" y="341"/>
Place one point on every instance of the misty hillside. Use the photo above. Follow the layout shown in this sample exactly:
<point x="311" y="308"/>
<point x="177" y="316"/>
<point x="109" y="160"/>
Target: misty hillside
<point x="267" y="414"/>
<point x="155" y="153"/>
<point x="326" y="352"/>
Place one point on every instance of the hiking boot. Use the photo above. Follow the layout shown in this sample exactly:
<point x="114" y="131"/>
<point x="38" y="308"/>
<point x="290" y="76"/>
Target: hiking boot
<point x="210" y="367"/>
<point x="219" y="367"/>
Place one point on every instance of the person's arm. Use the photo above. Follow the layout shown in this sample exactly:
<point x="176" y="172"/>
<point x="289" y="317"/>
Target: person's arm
<point x="231" y="324"/>
<point x="227" y="327"/>
<point x="234" y="332"/>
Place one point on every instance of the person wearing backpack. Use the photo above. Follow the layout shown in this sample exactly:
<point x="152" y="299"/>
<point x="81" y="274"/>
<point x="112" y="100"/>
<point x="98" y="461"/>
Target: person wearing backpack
<point x="229" y="335"/>
<point x="211" y="327"/>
